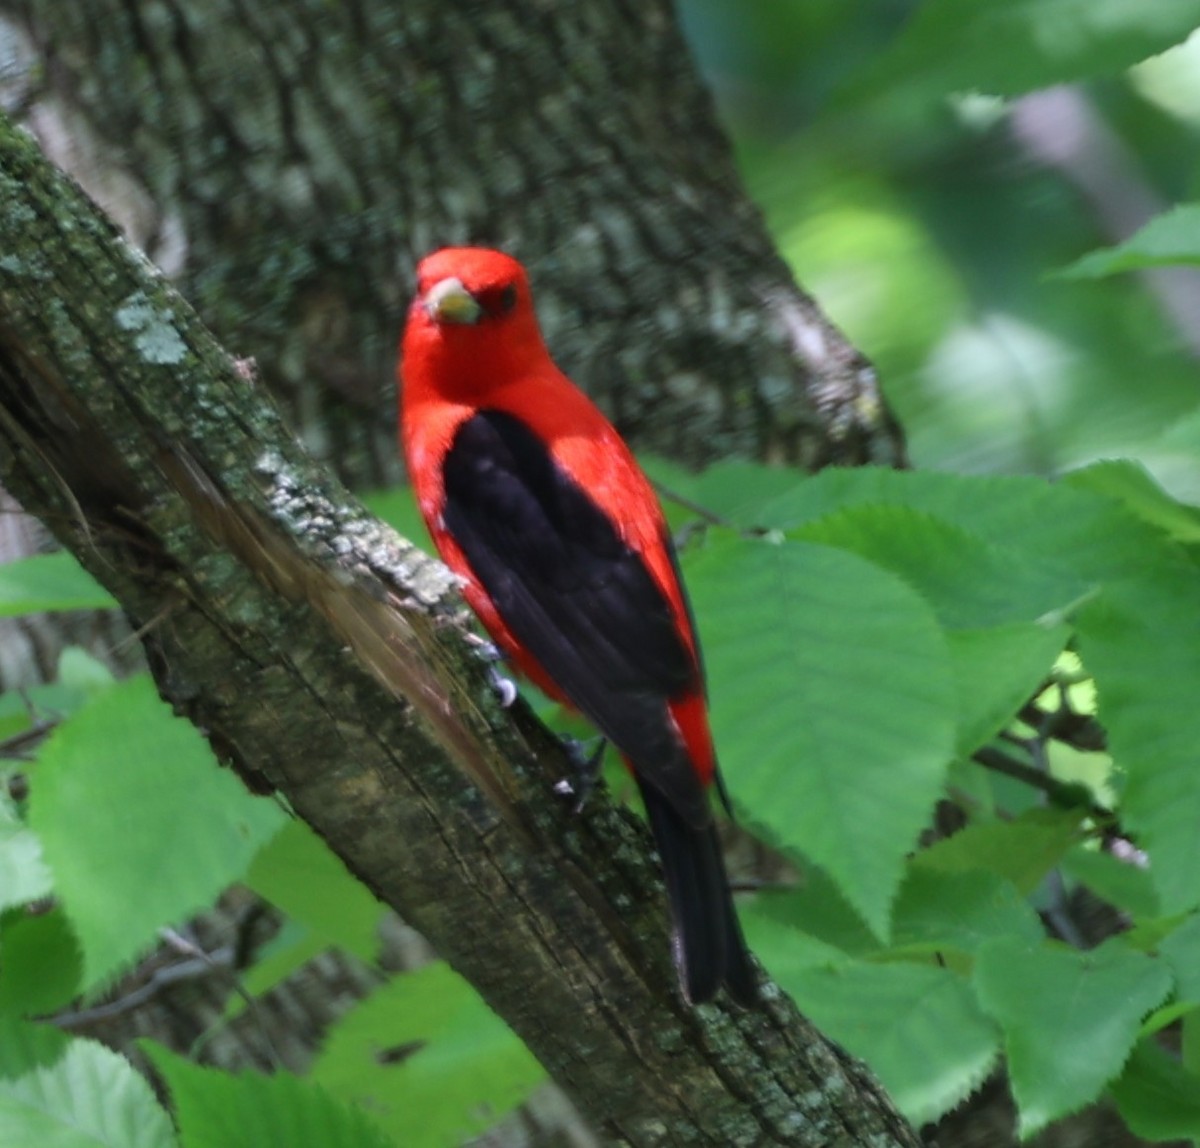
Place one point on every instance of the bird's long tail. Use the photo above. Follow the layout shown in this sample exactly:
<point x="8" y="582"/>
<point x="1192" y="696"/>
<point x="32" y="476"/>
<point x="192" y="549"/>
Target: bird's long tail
<point x="710" y="949"/>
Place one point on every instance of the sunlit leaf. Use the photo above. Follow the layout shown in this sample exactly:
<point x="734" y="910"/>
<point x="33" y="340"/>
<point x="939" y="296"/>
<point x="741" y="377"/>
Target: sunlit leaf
<point x="298" y="873"/>
<point x="49" y="582"/>
<point x="430" y="1061"/>
<point x="24" y="875"/>
<point x="126" y="790"/>
<point x="62" y="1092"/>
<point x="219" y="1110"/>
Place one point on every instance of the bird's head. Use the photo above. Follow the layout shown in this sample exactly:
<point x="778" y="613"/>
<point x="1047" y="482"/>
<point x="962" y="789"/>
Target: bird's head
<point x="471" y="325"/>
<point x="472" y="287"/>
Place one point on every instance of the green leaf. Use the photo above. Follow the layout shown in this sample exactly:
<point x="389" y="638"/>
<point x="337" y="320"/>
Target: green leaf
<point x="293" y="946"/>
<point x="782" y="947"/>
<point x="1177" y="449"/>
<point x="79" y="676"/>
<point x="24" y="876"/>
<point x="1146" y="664"/>
<point x="997" y="670"/>
<point x="1069" y="1018"/>
<point x="1181" y="950"/>
<point x="1047" y="523"/>
<point x="1000" y="603"/>
<point x="41" y="963"/>
<point x="1089" y="537"/>
<point x="1131" y="635"/>
<point x="59" y="1092"/>
<point x="832" y="705"/>
<point x="297" y="872"/>
<point x="1130" y="484"/>
<point x="676" y="486"/>
<point x="815" y="908"/>
<point x="917" y="1026"/>
<point x="1189" y="1038"/>
<point x="49" y="582"/>
<point x="1120" y="883"/>
<point x="1006" y="47"/>
<point x="83" y="673"/>
<point x="429" y="1059"/>
<point x="216" y="1109"/>
<point x="15" y="719"/>
<point x="126" y="790"/>
<point x="1168" y="239"/>
<point x="733" y="491"/>
<point x="970" y="583"/>
<point x="961" y="911"/>
<point x="1022" y="850"/>
<point x="1157" y="1097"/>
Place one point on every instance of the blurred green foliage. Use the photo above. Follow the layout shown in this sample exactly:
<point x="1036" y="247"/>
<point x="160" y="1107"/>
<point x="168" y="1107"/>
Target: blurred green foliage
<point x="909" y="205"/>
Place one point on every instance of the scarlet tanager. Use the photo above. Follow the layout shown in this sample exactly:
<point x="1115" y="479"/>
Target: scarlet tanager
<point x="533" y="498"/>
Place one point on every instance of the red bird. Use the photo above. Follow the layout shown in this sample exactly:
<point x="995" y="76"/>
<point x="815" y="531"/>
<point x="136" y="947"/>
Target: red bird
<point x="533" y="498"/>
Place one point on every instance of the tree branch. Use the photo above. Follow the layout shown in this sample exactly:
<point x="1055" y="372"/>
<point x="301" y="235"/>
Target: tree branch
<point x="319" y="651"/>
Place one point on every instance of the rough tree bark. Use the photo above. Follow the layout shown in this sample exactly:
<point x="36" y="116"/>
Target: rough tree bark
<point x="286" y="164"/>
<point x="318" y="650"/>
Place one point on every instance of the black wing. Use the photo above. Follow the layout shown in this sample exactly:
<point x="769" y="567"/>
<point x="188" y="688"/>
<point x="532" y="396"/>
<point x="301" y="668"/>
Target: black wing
<point x="574" y="595"/>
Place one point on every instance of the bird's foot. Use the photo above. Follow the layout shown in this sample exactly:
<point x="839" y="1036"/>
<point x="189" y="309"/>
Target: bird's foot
<point x="585" y="759"/>
<point x="504" y="687"/>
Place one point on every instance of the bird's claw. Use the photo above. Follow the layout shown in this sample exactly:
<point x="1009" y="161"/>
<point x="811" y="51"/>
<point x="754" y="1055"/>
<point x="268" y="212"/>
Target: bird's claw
<point x="505" y="688"/>
<point x="585" y="761"/>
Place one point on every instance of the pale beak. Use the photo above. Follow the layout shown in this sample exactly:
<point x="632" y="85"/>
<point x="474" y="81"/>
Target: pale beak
<point x="448" y="301"/>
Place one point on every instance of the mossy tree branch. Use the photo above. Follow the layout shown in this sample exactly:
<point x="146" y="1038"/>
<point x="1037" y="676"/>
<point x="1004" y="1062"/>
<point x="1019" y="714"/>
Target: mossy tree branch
<point x="322" y="653"/>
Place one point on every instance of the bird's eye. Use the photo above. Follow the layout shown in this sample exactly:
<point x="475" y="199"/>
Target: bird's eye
<point x="498" y="301"/>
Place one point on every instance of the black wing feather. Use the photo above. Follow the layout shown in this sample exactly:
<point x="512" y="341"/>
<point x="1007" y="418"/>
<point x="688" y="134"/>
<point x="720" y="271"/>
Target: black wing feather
<point x="575" y="595"/>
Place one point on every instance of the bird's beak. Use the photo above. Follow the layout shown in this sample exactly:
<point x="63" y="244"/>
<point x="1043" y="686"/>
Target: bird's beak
<point x="448" y="301"/>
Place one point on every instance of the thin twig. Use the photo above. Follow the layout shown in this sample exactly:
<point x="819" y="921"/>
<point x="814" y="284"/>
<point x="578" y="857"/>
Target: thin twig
<point x="1060" y="792"/>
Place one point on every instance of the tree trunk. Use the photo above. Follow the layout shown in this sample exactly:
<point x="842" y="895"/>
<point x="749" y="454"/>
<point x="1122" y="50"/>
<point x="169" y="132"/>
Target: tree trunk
<point x="286" y="164"/>
<point x="322" y="653"/>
